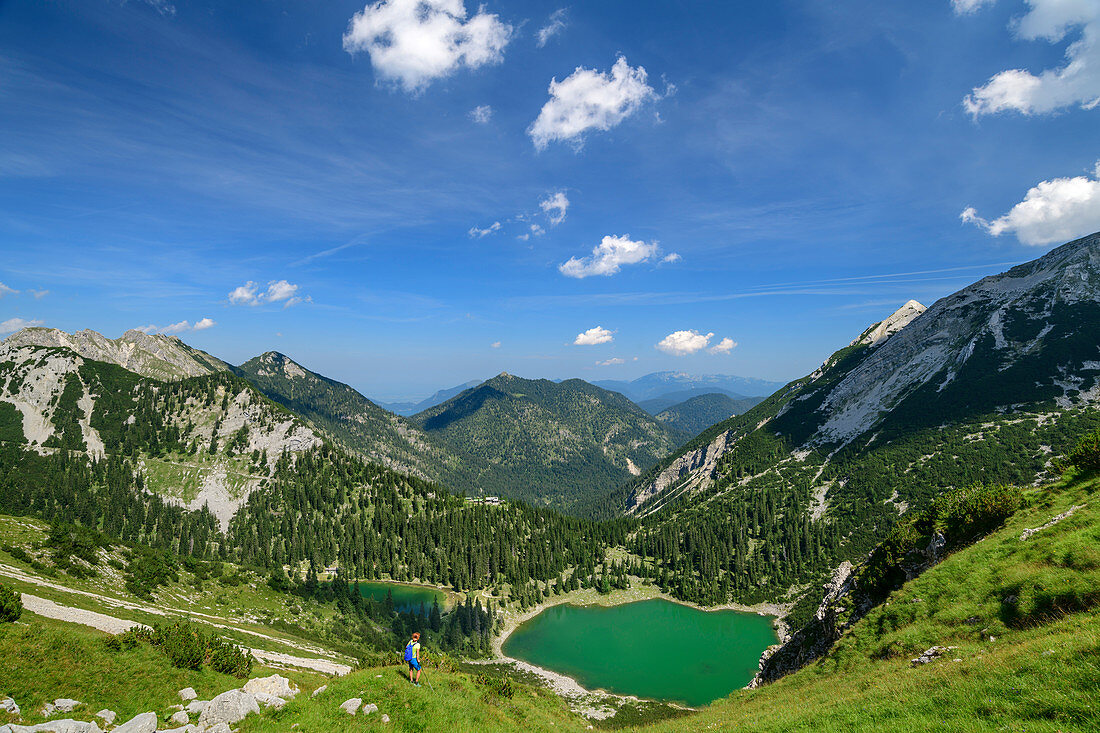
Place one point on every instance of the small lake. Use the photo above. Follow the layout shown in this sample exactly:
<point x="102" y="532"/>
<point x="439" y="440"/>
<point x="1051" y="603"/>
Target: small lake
<point x="655" y="649"/>
<point x="405" y="597"/>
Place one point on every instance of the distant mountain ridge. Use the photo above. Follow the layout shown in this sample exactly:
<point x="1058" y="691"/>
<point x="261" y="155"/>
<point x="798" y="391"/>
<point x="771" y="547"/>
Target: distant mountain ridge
<point x="555" y="443"/>
<point x="696" y="414"/>
<point x="659" y="384"/>
<point x="408" y="409"/>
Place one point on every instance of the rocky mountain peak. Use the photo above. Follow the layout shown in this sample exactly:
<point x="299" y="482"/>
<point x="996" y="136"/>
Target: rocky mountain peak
<point x="158" y="356"/>
<point x="902" y="317"/>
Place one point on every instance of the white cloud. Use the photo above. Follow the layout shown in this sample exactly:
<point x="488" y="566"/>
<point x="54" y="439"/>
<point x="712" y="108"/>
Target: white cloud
<point x="555" y="206"/>
<point x="608" y="256"/>
<point x="610" y="362"/>
<point x="965" y="7"/>
<point x="481" y="114"/>
<point x="415" y="42"/>
<point x="594" y="336"/>
<point x="537" y="230"/>
<point x="15" y="324"/>
<point x="671" y="257"/>
<point x="495" y="345"/>
<point x="39" y="293"/>
<point x="1052" y="211"/>
<point x="180" y="327"/>
<point x="278" y="291"/>
<point x="5" y="290"/>
<point x="724" y="346"/>
<point x="682" y="343"/>
<point x="553" y="27"/>
<point x="1076" y="83"/>
<point x="479" y="233"/>
<point x="162" y="6"/>
<point x="590" y="100"/>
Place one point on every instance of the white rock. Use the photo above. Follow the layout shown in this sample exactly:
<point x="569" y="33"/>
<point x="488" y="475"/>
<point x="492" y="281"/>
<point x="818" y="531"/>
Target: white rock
<point x="228" y="707"/>
<point x="143" y="723"/>
<point x="270" y="701"/>
<point x="195" y="706"/>
<point x="351" y="707"/>
<point x="274" y="685"/>
<point x="54" y="726"/>
<point x="219" y="728"/>
<point x="385" y="718"/>
<point x="9" y="705"/>
<point x="180" y="717"/>
<point x="187" y="694"/>
<point x="369" y="708"/>
<point x="319" y="690"/>
<point x="108" y="716"/>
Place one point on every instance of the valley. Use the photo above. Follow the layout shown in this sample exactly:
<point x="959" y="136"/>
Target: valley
<point x="288" y="515"/>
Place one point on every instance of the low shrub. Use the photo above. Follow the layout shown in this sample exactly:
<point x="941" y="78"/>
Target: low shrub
<point x="182" y="643"/>
<point x="11" y="605"/>
<point x="1086" y="456"/>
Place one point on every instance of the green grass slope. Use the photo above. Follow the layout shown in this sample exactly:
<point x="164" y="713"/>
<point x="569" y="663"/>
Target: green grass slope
<point x="1022" y="614"/>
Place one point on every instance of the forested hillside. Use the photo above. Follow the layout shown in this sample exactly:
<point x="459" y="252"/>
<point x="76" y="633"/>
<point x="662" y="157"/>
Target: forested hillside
<point x="562" y="445"/>
<point x="348" y="416"/>
<point x="696" y="414"/>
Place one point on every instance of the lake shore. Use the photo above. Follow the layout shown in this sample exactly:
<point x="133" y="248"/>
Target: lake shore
<point x="600" y="704"/>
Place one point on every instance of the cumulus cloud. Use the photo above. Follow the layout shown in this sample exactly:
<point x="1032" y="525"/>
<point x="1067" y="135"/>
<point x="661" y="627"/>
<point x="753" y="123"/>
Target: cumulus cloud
<point x="555" y="206"/>
<point x="609" y="256"/>
<point x="180" y="327"/>
<point x="16" y="324"/>
<point x="724" y="346"/>
<point x="1052" y="211"/>
<point x="495" y="345"/>
<point x="681" y="343"/>
<point x="554" y="25"/>
<point x="415" y="42"/>
<point x="278" y="291"/>
<point x="1075" y="83"/>
<point x="593" y="336"/>
<point x="537" y="231"/>
<point x="478" y="233"/>
<point x="610" y="362"/>
<point x="671" y="257"/>
<point x="587" y="100"/>
<point x="5" y="290"/>
<point x="481" y="114"/>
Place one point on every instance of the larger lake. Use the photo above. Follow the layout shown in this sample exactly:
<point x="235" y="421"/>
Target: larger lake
<point x="655" y="649"/>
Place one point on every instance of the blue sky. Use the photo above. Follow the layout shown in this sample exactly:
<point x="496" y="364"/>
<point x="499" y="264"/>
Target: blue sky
<point x="362" y="187"/>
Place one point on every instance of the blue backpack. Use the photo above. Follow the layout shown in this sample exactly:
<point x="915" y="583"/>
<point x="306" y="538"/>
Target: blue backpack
<point x="409" y="654"/>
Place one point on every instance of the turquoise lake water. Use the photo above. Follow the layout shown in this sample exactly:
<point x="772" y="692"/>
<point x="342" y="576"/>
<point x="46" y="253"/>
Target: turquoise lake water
<point x="405" y="597"/>
<point x="655" y="649"/>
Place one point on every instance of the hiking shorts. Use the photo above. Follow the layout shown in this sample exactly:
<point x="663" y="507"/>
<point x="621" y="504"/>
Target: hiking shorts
<point x="414" y="664"/>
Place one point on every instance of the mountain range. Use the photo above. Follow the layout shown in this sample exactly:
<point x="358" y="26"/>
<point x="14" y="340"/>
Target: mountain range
<point x="660" y="384"/>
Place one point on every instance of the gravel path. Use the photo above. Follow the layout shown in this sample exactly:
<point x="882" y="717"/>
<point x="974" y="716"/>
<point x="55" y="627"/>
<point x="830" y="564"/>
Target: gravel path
<point x="112" y="625"/>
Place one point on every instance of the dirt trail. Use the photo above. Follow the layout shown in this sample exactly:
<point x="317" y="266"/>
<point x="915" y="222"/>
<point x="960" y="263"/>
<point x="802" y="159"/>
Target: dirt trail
<point x="115" y="625"/>
<point x="112" y="625"/>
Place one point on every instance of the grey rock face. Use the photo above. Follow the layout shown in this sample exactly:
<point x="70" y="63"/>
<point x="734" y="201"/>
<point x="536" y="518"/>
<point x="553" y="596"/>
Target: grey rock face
<point x="187" y="694"/>
<point x="180" y="717"/>
<point x="369" y="708"/>
<point x="270" y="701"/>
<point x="8" y="705"/>
<point x="228" y="707"/>
<point x="107" y="716"/>
<point x="195" y="706"/>
<point x="143" y="723"/>
<point x="319" y="690"/>
<point x="351" y="707"/>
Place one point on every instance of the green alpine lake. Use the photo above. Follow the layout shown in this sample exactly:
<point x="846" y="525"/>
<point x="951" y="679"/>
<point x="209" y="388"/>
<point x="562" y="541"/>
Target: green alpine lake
<point x="655" y="649"/>
<point x="405" y="597"/>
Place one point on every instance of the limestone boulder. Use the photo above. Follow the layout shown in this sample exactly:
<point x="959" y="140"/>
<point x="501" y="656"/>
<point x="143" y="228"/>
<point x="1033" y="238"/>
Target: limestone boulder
<point x="143" y="723"/>
<point x="228" y="707"/>
<point x="275" y="685"/>
<point x="351" y="707"/>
